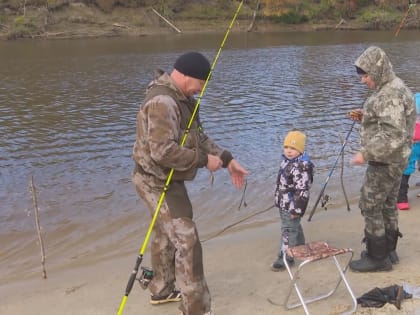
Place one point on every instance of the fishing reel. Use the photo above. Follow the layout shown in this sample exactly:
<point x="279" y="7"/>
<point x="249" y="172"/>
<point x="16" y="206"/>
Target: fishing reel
<point x="145" y="277"/>
<point x="324" y="201"/>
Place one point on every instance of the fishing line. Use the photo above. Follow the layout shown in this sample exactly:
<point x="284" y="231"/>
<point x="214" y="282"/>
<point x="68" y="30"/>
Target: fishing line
<point x="243" y="197"/>
<point x="236" y="223"/>
<point x="321" y="194"/>
<point x="324" y="200"/>
<point x="139" y="259"/>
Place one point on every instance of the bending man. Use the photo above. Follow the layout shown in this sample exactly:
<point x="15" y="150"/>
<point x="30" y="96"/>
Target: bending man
<point x="161" y="123"/>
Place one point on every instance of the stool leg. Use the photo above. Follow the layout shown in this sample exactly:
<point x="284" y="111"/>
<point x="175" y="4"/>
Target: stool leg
<point x="293" y="284"/>
<point x="304" y="302"/>
<point x="343" y="277"/>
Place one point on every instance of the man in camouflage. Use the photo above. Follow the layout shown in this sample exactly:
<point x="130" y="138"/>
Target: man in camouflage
<point x="176" y="252"/>
<point x="386" y="133"/>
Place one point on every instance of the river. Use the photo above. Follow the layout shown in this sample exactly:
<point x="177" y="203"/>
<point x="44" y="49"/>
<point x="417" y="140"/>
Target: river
<point x="67" y="119"/>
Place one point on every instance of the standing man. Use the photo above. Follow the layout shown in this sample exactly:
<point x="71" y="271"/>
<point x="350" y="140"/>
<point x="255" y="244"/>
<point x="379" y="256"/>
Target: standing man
<point x="163" y="117"/>
<point x="386" y="133"/>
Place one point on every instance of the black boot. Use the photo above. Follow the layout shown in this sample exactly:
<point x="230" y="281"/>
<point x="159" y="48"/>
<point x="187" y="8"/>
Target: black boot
<point x="279" y="265"/>
<point x="376" y="258"/>
<point x="392" y="240"/>
<point x="393" y="256"/>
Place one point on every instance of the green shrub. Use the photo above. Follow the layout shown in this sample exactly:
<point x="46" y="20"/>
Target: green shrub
<point x="20" y="20"/>
<point x="375" y="14"/>
<point x="24" y="27"/>
<point x="291" y="18"/>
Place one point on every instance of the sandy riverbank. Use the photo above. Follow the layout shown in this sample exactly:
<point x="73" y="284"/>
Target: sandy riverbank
<point x="237" y="269"/>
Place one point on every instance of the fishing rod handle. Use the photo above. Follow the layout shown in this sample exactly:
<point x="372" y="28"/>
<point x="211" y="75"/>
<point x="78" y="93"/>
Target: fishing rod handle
<point x="133" y="275"/>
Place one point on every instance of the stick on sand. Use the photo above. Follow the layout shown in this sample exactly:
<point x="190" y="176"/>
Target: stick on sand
<point x="41" y="242"/>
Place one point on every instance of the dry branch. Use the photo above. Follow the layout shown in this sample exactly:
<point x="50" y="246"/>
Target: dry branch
<point x="38" y="228"/>
<point x="254" y="16"/>
<point x="167" y="21"/>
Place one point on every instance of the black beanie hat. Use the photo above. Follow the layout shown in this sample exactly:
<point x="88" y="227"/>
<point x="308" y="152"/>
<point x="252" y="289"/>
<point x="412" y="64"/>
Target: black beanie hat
<point x="193" y="64"/>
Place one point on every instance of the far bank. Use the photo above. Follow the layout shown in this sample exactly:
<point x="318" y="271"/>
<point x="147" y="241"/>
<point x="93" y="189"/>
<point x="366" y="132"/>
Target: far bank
<point x="79" y="20"/>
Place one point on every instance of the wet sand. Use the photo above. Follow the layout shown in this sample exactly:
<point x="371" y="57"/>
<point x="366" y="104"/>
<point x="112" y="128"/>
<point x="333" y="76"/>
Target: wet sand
<point x="237" y="267"/>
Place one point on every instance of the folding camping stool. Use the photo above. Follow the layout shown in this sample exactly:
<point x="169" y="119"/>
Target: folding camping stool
<point x="312" y="252"/>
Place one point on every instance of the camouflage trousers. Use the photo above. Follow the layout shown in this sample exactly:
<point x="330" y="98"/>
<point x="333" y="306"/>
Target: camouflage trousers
<point x="176" y="252"/>
<point x="291" y="232"/>
<point x="378" y="198"/>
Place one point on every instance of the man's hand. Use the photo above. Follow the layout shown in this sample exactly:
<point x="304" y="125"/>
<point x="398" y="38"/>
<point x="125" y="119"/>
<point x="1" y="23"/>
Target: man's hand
<point x="237" y="173"/>
<point x="356" y="115"/>
<point x="214" y="163"/>
<point x="358" y="159"/>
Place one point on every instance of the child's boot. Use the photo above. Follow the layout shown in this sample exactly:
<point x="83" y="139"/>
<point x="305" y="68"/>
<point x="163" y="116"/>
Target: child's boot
<point x="402" y="202"/>
<point x="278" y="264"/>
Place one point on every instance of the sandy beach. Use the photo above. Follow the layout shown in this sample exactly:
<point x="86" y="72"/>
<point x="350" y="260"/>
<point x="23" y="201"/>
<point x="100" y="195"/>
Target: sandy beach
<point x="238" y="273"/>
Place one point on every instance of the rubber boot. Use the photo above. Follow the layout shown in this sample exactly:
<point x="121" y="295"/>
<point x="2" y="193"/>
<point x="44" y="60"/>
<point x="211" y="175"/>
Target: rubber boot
<point x="393" y="257"/>
<point x="376" y="258"/>
<point x="279" y="265"/>
<point x="392" y="240"/>
<point x="402" y="201"/>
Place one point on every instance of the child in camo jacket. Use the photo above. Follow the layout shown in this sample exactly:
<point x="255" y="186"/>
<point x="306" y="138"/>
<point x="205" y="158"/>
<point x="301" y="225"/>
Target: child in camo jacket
<point x="291" y="196"/>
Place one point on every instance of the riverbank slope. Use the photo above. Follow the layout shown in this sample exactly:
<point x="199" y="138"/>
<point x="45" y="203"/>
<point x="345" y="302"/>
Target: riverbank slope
<point x="79" y="20"/>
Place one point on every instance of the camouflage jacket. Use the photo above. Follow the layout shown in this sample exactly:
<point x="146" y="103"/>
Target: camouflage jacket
<point x="161" y="122"/>
<point x="389" y="114"/>
<point x="294" y="180"/>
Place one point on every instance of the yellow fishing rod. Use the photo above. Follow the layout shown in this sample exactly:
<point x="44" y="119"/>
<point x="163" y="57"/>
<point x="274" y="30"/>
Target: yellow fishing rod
<point x="171" y="172"/>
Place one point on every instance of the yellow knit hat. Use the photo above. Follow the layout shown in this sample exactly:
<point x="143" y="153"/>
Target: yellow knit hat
<point x="296" y="140"/>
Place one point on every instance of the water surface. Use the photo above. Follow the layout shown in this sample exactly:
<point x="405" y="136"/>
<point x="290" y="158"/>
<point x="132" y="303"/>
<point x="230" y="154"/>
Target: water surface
<point x="67" y="118"/>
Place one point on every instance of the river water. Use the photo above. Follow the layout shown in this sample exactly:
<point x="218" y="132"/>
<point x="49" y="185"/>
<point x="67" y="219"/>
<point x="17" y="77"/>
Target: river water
<point x="67" y="119"/>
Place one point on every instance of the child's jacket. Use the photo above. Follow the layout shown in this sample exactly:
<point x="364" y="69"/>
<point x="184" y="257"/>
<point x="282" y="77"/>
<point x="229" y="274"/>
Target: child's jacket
<point x="294" y="180"/>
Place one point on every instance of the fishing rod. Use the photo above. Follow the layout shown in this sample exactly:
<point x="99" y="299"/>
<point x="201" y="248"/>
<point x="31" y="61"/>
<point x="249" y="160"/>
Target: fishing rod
<point x="146" y="272"/>
<point x="410" y="6"/>
<point x="342" y="182"/>
<point x="331" y="171"/>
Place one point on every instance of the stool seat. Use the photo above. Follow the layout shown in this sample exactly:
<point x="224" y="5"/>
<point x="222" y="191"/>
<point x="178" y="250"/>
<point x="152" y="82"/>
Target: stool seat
<point x="309" y="253"/>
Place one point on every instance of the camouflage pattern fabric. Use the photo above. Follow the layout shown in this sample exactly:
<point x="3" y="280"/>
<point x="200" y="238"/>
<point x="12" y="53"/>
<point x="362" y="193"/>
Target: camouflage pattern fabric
<point x="389" y="114"/>
<point x="386" y="133"/>
<point x="294" y="180"/>
<point x="315" y="251"/>
<point x="175" y="248"/>
<point x="378" y="198"/>
<point x="161" y="123"/>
